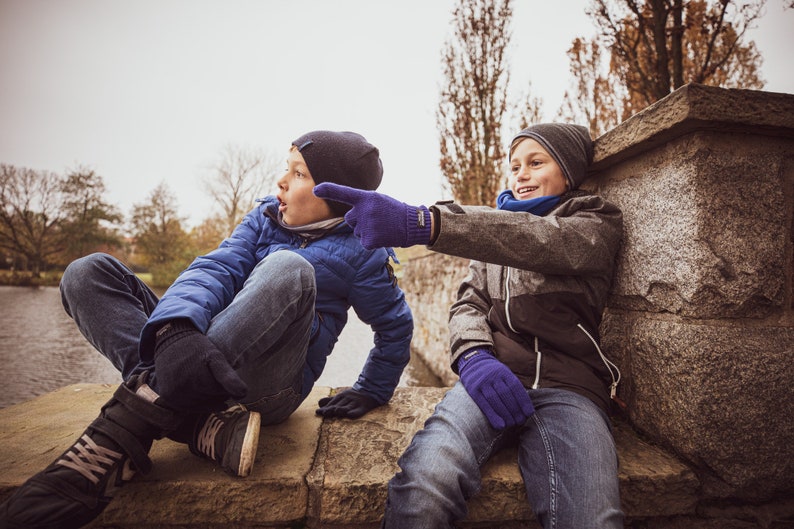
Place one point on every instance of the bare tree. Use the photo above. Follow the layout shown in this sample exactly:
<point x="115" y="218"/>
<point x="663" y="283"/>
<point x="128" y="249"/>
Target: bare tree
<point x="90" y="221"/>
<point x="526" y="111"/>
<point x="30" y="215"/>
<point x="474" y="100"/>
<point x="161" y="243"/>
<point x="239" y="177"/>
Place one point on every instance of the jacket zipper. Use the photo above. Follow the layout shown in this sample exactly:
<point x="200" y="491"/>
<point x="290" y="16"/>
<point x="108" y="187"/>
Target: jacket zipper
<point x="538" y="355"/>
<point x="613" y="388"/>
<point x="536" y="383"/>
<point x="507" y="301"/>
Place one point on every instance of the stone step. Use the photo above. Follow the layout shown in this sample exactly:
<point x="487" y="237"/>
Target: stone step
<point x="308" y="471"/>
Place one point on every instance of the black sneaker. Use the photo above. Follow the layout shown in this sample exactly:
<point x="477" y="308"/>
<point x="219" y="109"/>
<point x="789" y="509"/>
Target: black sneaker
<point x="229" y="437"/>
<point x="77" y="486"/>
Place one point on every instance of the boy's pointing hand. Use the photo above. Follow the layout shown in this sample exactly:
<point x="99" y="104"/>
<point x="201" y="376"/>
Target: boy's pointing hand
<point x="380" y="220"/>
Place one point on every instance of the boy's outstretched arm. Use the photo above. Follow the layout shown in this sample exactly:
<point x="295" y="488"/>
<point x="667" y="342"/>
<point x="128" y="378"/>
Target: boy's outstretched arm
<point x="380" y="220"/>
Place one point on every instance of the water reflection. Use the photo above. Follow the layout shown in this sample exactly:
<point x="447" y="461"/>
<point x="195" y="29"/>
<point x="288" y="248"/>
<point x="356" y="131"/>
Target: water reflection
<point x="41" y="349"/>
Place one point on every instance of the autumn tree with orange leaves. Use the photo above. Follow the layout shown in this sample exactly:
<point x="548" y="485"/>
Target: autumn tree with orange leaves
<point x="597" y="99"/>
<point x="474" y="100"/>
<point x="651" y="47"/>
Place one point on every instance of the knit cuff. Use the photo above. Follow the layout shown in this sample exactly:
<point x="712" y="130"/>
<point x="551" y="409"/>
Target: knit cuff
<point x="469" y="355"/>
<point x="171" y="329"/>
<point x="418" y="226"/>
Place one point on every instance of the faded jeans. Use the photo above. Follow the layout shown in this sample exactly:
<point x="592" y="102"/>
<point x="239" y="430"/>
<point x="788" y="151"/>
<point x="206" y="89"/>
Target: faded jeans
<point x="566" y="455"/>
<point x="264" y="332"/>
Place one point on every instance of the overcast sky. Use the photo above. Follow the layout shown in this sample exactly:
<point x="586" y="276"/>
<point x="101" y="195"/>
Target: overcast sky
<point x="147" y="91"/>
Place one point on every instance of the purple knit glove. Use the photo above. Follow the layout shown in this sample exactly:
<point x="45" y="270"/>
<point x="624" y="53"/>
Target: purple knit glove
<point x="495" y="389"/>
<point x="380" y="220"/>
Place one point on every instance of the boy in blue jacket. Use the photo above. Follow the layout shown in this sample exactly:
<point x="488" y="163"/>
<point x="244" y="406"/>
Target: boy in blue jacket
<point x="240" y="337"/>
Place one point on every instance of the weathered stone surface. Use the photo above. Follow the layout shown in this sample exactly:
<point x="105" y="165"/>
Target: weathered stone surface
<point x="652" y="483"/>
<point x="696" y="107"/>
<point x="182" y="489"/>
<point x="338" y="477"/>
<point x="717" y="393"/>
<point x="357" y="458"/>
<point x="706" y="226"/>
<point x="777" y="514"/>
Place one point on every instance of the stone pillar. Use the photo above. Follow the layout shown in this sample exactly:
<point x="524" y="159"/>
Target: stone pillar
<point x="430" y="283"/>
<point x="700" y="320"/>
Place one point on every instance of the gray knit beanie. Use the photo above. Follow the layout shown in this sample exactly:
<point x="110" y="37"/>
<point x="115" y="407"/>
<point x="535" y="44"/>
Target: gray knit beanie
<point x="344" y="158"/>
<point x="569" y="145"/>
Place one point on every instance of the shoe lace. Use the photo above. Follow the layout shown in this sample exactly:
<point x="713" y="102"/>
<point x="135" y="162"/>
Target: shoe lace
<point x="206" y="437"/>
<point x="88" y="458"/>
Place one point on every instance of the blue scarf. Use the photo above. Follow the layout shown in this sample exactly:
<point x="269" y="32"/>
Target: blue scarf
<point x="537" y="206"/>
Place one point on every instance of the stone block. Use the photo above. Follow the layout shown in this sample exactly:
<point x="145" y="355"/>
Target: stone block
<point x="718" y="393"/>
<point x="695" y="107"/>
<point x="706" y="226"/>
<point x="431" y="286"/>
<point x="305" y="477"/>
<point x="356" y="459"/>
<point x="182" y="489"/>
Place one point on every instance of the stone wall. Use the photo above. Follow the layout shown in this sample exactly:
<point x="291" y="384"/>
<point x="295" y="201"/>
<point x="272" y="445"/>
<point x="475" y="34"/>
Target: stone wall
<point x="700" y="320"/>
<point x="431" y="285"/>
<point x="317" y="473"/>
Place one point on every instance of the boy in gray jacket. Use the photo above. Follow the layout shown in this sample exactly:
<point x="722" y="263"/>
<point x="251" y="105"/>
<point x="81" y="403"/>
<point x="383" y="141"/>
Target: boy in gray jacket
<point x="524" y="338"/>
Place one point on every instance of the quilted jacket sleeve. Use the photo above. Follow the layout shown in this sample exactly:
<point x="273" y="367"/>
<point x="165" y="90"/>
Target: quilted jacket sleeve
<point x="380" y="303"/>
<point x="209" y="284"/>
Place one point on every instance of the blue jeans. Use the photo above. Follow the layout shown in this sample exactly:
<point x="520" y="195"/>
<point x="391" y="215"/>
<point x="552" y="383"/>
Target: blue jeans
<point x="264" y="332"/>
<point x="566" y="455"/>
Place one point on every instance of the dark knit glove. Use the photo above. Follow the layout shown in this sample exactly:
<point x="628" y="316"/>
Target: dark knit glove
<point x="192" y="373"/>
<point x="349" y="403"/>
<point x="380" y="220"/>
<point x="495" y="389"/>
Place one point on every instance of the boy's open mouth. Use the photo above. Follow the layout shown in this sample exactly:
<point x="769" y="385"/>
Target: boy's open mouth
<point x="526" y="189"/>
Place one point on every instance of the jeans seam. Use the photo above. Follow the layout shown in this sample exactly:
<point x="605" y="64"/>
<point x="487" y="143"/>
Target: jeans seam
<point x="485" y="455"/>
<point x="286" y="395"/>
<point x="552" y="471"/>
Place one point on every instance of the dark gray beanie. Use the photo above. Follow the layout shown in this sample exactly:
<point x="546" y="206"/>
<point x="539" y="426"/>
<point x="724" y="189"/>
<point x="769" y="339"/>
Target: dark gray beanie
<point x="569" y="145"/>
<point x="344" y="158"/>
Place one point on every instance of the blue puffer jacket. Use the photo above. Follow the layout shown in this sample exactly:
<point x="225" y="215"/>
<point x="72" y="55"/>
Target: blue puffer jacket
<point x="347" y="275"/>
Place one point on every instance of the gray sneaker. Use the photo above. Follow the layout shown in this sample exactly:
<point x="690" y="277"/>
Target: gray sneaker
<point x="229" y="437"/>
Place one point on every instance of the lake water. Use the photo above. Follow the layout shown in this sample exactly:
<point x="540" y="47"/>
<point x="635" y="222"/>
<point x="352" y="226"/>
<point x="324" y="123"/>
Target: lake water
<point x="41" y="349"/>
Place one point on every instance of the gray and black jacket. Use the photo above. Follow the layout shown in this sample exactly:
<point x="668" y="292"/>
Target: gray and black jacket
<point x="536" y="289"/>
